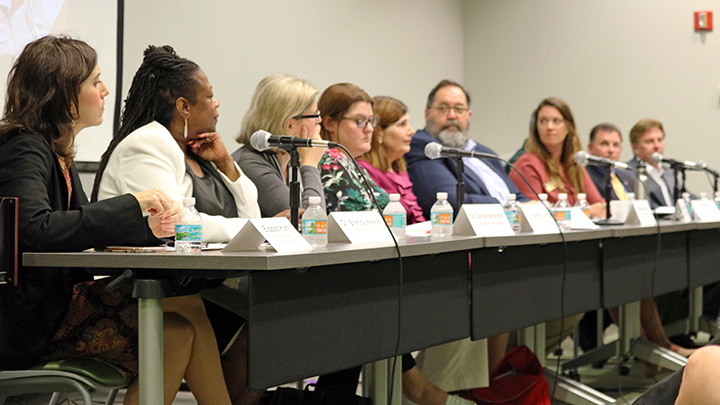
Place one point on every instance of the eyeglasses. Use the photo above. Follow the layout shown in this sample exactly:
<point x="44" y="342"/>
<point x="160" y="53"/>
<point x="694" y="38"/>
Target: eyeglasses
<point x="460" y="110"/>
<point x="316" y="116"/>
<point x="362" y="123"/>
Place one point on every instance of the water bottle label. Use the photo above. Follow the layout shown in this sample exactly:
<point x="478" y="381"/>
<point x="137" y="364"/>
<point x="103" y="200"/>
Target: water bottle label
<point x="188" y="233"/>
<point x="514" y="217"/>
<point x="562" y="215"/>
<point x="441" y="218"/>
<point x="395" y="220"/>
<point x="314" y="226"/>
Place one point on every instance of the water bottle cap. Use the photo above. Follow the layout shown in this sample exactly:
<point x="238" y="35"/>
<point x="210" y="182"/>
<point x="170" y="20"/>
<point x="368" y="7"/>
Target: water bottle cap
<point x="189" y="201"/>
<point x="441" y="195"/>
<point x="314" y="199"/>
<point x="394" y="197"/>
<point x="686" y="195"/>
<point x="562" y="196"/>
<point x="631" y="196"/>
<point x="703" y="196"/>
<point x="511" y="197"/>
<point x="581" y="196"/>
<point x="542" y="196"/>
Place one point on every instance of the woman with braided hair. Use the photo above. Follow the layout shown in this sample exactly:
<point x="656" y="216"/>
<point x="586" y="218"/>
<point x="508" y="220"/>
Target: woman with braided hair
<point x="167" y="138"/>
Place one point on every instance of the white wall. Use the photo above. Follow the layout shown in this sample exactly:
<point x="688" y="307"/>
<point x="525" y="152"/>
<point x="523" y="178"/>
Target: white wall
<point x="611" y="60"/>
<point x="400" y="48"/>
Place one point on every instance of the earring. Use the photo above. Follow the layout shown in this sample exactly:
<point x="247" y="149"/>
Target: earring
<point x="380" y="141"/>
<point x="185" y="130"/>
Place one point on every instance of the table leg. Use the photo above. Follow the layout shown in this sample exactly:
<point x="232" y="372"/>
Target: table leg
<point x="150" y="313"/>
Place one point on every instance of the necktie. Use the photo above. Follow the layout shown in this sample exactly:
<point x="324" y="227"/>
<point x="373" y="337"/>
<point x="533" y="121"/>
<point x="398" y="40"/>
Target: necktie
<point x="618" y="187"/>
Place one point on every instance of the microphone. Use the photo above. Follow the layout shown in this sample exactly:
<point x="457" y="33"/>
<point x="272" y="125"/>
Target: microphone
<point x="657" y="158"/>
<point x="583" y="159"/>
<point x="262" y="140"/>
<point x="434" y="150"/>
<point x="704" y="166"/>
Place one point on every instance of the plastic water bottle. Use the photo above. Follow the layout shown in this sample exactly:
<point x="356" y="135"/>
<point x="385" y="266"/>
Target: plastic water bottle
<point x="561" y="211"/>
<point x="314" y="223"/>
<point x="686" y="199"/>
<point x="395" y="216"/>
<point x="441" y="217"/>
<point x="583" y="204"/>
<point x="512" y="211"/>
<point x="717" y="199"/>
<point x="543" y="199"/>
<point x="188" y="229"/>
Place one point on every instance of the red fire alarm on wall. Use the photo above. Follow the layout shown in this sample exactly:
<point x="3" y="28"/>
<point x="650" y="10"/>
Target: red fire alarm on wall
<point x="703" y="21"/>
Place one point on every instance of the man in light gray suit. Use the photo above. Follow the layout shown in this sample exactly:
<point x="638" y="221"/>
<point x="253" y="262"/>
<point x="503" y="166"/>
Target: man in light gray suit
<point x="647" y="137"/>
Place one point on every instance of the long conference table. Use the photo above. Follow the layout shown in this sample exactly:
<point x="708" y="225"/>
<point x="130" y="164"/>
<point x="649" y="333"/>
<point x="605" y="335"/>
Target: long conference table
<point x="337" y="307"/>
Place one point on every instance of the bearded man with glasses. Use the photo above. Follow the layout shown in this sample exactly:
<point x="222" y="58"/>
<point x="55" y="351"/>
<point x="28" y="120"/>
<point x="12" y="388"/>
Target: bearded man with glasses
<point x="447" y="121"/>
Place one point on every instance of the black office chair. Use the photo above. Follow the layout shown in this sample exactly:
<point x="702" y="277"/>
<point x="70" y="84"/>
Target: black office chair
<point x="76" y="375"/>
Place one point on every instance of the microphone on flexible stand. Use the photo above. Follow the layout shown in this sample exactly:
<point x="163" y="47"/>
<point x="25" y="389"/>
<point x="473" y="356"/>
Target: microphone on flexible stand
<point x="262" y="140"/>
<point x="583" y="159"/>
<point x="434" y="150"/>
<point x="678" y="167"/>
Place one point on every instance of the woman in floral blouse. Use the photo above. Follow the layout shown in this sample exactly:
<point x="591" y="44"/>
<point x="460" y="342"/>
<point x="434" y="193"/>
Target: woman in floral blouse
<point x="347" y="118"/>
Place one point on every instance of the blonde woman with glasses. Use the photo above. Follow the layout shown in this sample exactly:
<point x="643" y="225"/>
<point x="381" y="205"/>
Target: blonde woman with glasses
<point x="281" y="105"/>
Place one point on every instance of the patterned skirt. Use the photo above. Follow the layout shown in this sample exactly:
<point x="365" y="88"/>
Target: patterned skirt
<point x="101" y="325"/>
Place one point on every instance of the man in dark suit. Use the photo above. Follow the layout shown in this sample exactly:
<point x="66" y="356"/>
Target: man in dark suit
<point x="647" y="137"/>
<point x="606" y="141"/>
<point x="447" y="120"/>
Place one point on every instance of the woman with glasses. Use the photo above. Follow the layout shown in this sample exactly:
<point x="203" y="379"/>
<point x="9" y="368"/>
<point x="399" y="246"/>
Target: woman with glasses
<point x="549" y="161"/>
<point x="282" y="105"/>
<point x="347" y="118"/>
<point x="384" y="162"/>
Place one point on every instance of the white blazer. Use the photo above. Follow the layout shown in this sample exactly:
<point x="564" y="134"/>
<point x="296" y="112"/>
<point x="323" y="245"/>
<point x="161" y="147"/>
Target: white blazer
<point x="149" y="157"/>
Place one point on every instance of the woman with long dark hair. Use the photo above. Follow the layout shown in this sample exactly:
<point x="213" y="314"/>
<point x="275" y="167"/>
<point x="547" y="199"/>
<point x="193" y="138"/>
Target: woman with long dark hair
<point x="54" y="91"/>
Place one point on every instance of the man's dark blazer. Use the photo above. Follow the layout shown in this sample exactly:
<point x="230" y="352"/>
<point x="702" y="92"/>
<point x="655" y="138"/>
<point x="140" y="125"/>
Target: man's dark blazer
<point x="599" y="177"/>
<point x="432" y="175"/>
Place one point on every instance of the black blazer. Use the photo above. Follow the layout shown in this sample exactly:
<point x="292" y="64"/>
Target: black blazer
<point x="32" y="312"/>
<point x="599" y="177"/>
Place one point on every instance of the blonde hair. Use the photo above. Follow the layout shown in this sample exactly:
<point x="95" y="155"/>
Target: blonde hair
<point x="571" y="145"/>
<point x="277" y="98"/>
<point x="388" y="111"/>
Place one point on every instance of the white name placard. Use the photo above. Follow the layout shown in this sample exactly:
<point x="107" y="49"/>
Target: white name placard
<point x="640" y="214"/>
<point x="705" y="210"/>
<point x="358" y="227"/>
<point x="278" y="232"/>
<point x="536" y="218"/>
<point x="578" y="220"/>
<point x="482" y="220"/>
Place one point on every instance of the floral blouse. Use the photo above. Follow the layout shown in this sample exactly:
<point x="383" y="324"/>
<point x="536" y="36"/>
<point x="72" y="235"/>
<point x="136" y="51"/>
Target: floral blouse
<point x="344" y="190"/>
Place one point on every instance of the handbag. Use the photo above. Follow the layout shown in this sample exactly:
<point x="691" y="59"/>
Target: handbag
<point x="517" y="379"/>
<point x="291" y="396"/>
